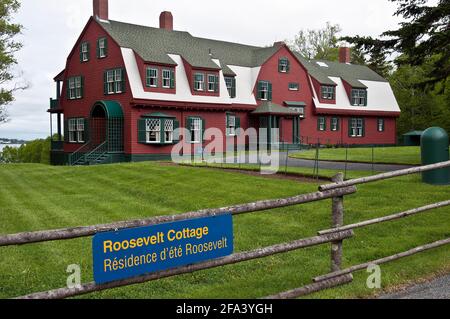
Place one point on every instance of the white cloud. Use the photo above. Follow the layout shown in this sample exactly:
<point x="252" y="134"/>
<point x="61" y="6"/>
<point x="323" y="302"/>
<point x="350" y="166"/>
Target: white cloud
<point x="52" y="27"/>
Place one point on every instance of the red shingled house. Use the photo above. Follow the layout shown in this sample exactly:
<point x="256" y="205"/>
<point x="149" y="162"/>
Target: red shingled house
<point x="126" y="88"/>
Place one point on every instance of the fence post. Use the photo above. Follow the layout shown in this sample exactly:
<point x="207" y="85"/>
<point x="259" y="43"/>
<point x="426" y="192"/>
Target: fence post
<point x="338" y="221"/>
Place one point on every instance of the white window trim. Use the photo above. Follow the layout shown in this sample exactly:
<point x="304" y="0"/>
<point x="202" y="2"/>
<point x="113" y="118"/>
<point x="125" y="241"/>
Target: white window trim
<point x="296" y="88"/>
<point x="168" y="128"/>
<point x="166" y="72"/>
<point x="322" y="124"/>
<point x="231" y="125"/>
<point x="102" y="47"/>
<point x="284" y="62"/>
<point x="85" y="52"/>
<point x="358" y="96"/>
<point x="265" y="90"/>
<point x="199" y="85"/>
<point x="199" y="130"/>
<point x="75" y="88"/>
<point x="157" y="131"/>
<point x="334" y="124"/>
<point x="328" y="92"/>
<point x="213" y="82"/>
<point x="155" y="77"/>
<point x="357" y="128"/>
<point x="76" y="130"/>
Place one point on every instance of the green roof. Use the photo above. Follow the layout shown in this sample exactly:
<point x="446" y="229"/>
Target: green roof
<point x="294" y="103"/>
<point x="268" y="107"/>
<point x="158" y="114"/>
<point x="351" y="73"/>
<point x="154" y="45"/>
<point x="112" y="108"/>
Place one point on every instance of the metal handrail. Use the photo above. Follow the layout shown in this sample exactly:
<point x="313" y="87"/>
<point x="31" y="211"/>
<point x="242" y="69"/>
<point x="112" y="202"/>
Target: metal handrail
<point x="76" y="156"/>
<point x="97" y="152"/>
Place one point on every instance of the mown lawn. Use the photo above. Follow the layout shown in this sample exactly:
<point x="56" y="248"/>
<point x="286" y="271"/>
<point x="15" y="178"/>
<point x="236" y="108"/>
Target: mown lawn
<point x="38" y="197"/>
<point x="389" y="155"/>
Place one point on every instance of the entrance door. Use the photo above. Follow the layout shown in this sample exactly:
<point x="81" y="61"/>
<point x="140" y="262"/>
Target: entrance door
<point x="98" y="125"/>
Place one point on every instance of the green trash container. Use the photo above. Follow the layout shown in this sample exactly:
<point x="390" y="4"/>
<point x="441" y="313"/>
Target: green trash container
<point x="434" y="145"/>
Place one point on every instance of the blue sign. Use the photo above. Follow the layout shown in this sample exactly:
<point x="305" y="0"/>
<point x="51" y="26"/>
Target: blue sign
<point x="137" y="251"/>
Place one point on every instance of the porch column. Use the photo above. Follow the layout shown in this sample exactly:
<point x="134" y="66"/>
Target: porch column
<point x="59" y="126"/>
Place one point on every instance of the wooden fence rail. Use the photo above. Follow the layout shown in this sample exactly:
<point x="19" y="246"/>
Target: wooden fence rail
<point x="335" y="236"/>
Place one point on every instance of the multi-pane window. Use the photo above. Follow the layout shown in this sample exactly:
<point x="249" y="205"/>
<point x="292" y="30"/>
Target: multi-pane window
<point x="328" y="92"/>
<point x="294" y="86"/>
<point x="75" y="87"/>
<point x="76" y="130"/>
<point x="359" y="97"/>
<point x="211" y="83"/>
<point x="283" y="65"/>
<point x="334" y="124"/>
<point x="356" y="127"/>
<point x="153" y="130"/>
<point x="152" y="77"/>
<point x="199" y="82"/>
<point x="84" y="52"/>
<point x="380" y="125"/>
<point x="231" y="86"/>
<point x="168" y="131"/>
<point x="114" y="81"/>
<point x="231" y="125"/>
<point x="265" y="90"/>
<point x="166" y="77"/>
<point x="196" y="130"/>
<point x="300" y="110"/>
<point x="322" y="123"/>
<point x="102" y="49"/>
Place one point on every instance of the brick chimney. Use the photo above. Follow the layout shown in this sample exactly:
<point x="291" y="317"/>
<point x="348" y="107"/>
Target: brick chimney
<point x="279" y="44"/>
<point x="166" y="20"/>
<point x="344" y="55"/>
<point x="101" y="9"/>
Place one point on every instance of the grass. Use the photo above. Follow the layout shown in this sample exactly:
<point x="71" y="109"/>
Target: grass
<point x="38" y="197"/>
<point x="382" y="155"/>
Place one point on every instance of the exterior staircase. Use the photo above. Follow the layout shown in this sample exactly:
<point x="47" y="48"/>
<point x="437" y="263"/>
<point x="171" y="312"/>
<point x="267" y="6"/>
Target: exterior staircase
<point x="87" y="156"/>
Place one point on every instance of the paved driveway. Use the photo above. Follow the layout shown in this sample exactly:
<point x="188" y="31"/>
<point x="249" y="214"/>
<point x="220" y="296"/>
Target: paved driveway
<point x="438" y="288"/>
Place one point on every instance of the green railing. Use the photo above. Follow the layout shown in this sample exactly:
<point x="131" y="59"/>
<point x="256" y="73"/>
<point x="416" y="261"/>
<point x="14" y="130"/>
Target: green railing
<point x="54" y="104"/>
<point x="97" y="153"/>
<point x="79" y="155"/>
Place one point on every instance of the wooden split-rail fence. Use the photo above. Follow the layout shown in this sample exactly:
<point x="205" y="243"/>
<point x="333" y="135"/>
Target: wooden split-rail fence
<point x="334" y="236"/>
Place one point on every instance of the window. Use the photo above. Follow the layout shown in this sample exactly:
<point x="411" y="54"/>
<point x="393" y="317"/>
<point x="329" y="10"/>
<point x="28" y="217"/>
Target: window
<point x="231" y="125"/>
<point x="334" y="124"/>
<point x="300" y="110"/>
<point x="328" y="92"/>
<point x="114" y="81"/>
<point x="159" y="129"/>
<point x="265" y="90"/>
<point x="152" y="77"/>
<point x="153" y="130"/>
<point x="75" y="88"/>
<point x="294" y="86"/>
<point x="166" y="78"/>
<point x="76" y="130"/>
<point x="356" y="126"/>
<point x="199" y="82"/>
<point x="231" y="86"/>
<point x="359" y="97"/>
<point x="196" y="130"/>
<point x="380" y="125"/>
<point x="168" y="131"/>
<point x="283" y="65"/>
<point x="102" y="48"/>
<point x="322" y="124"/>
<point x="84" y="52"/>
<point x="211" y="83"/>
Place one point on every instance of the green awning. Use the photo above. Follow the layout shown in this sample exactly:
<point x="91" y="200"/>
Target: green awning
<point x="158" y="115"/>
<point x="269" y="108"/>
<point x="294" y="103"/>
<point x="113" y="109"/>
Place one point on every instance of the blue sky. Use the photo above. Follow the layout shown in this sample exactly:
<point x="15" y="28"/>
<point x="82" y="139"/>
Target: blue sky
<point x="52" y="27"/>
